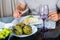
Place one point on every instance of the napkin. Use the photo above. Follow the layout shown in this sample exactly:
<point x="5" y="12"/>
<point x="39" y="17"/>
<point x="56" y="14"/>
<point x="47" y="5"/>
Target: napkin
<point x="50" y="24"/>
<point x="8" y="25"/>
<point x="2" y="25"/>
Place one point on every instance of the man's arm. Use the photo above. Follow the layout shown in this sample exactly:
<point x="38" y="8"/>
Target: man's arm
<point x="21" y="7"/>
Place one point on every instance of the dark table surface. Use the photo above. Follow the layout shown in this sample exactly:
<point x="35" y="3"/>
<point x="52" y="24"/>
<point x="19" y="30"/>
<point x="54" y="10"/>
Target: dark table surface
<point x="38" y="36"/>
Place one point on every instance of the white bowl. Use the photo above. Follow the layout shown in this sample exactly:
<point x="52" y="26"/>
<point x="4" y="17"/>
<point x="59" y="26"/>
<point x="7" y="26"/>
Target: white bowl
<point x="34" y="30"/>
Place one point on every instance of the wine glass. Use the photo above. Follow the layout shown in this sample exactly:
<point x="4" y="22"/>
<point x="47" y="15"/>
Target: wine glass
<point x="43" y="12"/>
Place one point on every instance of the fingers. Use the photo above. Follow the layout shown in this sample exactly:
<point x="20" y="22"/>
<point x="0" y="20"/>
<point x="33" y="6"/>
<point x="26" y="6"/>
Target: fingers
<point x="53" y="16"/>
<point x="52" y="13"/>
<point x="17" y="14"/>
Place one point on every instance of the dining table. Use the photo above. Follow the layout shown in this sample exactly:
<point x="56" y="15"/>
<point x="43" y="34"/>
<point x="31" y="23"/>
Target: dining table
<point x="51" y="33"/>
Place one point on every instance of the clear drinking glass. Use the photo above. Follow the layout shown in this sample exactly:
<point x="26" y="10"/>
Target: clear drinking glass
<point x="43" y="12"/>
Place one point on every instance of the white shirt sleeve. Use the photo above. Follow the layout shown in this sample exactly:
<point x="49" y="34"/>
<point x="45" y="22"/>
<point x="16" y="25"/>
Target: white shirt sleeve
<point x="22" y="1"/>
<point x="58" y="4"/>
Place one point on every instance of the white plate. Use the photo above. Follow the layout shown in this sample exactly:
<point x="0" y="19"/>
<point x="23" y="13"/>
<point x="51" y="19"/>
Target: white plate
<point x="34" y="30"/>
<point x="38" y="17"/>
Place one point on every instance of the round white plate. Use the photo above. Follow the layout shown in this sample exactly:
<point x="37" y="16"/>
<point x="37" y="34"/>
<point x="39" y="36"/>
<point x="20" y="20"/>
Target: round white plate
<point x="38" y="17"/>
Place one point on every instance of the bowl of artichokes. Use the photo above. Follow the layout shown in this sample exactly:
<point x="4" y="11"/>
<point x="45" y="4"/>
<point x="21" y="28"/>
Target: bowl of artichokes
<point x="23" y="30"/>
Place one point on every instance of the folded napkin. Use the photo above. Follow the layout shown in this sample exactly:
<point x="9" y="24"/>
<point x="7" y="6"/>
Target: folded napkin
<point x="50" y="24"/>
<point x="2" y="25"/>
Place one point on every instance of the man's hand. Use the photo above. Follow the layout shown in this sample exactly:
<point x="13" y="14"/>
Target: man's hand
<point x="53" y="16"/>
<point x="17" y="13"/>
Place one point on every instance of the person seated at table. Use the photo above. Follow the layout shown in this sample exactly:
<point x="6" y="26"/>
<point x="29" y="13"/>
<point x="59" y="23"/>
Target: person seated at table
<point x="33" y="5"/>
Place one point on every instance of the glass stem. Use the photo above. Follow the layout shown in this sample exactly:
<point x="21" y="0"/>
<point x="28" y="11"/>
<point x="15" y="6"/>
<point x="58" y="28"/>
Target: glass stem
<point x="43" y="29"/>
<point x="43" y="25"/>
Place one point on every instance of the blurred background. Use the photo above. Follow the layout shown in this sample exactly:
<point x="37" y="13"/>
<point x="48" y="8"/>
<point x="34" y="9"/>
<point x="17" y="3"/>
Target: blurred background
<point x="7" y="7"/>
